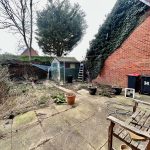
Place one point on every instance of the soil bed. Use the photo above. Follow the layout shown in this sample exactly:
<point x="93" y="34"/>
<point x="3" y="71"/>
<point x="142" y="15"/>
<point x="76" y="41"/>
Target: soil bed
<point x="25" y="97"/>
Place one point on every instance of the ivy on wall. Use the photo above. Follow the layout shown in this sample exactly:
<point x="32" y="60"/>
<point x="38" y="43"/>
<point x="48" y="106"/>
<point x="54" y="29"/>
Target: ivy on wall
<point x="124" y="18"/>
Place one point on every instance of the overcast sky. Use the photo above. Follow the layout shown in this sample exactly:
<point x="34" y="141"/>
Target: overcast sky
<point x="95" y="10"/>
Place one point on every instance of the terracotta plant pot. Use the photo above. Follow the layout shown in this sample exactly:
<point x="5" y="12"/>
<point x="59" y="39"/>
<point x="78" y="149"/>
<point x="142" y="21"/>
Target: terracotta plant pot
<point x="92" y="90"/>
<point x="70" y="98"/>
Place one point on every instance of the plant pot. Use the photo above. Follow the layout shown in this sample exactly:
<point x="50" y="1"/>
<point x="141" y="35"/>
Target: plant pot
<point x="70" y="98"/>
<point x="92" y="90"/>
<point x="116" y="90"/>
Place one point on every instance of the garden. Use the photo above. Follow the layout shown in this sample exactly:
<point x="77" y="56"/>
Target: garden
<point x="37" y="115"/>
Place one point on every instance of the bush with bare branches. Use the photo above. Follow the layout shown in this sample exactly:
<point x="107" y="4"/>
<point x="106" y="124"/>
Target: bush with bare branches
<point x="4" y="84"/>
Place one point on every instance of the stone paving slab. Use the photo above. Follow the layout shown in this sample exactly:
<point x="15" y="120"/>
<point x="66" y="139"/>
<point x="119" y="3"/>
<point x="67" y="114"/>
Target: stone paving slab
<point x="46" y="112"/>
<point x="22" y="139"/>
<point x="26" y="139"/>
<point x="83" y="92"/>
<point x="93" y="131"/>
<point x="95" y="136"/>
<point x="74" y="116"/>
<point x="24" y="119"/>
<point x="70" y="139"/>
<point x="54" y="125"/>
<point x="46" y="146"/>
<point x="63" y="89"/>
<point x="62" y="108"/>
<point x="5" y="126"/>
<point x="5" y="144"/>
<point x="87" y="108"/>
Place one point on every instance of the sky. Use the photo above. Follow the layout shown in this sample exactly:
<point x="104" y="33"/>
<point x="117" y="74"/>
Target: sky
<point x="95" y="10"/>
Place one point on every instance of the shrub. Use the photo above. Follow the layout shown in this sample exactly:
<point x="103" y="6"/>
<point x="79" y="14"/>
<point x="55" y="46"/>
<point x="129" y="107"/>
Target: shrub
<point x="43" y="101"/>
<point x="59" y="99"/>
<point x="6" y="56"/>
<point x="4" y="84"/>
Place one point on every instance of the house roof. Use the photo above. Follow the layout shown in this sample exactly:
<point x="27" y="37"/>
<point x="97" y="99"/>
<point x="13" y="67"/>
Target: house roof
<point x="67" y="59"/>
<point x="26" y="52"/>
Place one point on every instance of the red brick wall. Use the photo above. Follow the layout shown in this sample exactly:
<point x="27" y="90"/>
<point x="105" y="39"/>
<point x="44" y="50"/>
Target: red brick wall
<point x="132" y="57"/>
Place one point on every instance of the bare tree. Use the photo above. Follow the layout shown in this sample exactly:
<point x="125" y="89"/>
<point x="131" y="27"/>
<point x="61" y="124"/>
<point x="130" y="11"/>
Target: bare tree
<point x="17" y="15"/>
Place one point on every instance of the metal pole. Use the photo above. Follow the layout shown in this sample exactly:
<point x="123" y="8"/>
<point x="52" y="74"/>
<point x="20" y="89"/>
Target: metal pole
<point x="48" y="73"/>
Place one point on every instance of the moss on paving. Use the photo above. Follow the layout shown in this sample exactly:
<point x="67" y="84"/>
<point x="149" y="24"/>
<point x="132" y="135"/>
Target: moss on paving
<point x="24" y="119"/>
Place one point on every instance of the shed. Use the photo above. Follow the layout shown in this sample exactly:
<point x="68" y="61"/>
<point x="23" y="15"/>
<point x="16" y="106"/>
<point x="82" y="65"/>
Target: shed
<point x="62" y="67"/>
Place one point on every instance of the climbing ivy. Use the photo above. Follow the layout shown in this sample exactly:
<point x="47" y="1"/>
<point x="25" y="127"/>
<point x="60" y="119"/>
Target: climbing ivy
<point x="125" y="16"/>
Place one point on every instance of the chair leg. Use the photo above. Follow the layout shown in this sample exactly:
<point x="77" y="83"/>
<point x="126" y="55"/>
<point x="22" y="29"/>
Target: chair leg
<point x="110" y="135"/>
<point x="148" y="146"/>
<point x="135" y="107"/>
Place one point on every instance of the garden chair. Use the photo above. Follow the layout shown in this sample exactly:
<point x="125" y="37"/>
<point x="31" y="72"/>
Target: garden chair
<point x="134" y="132"/>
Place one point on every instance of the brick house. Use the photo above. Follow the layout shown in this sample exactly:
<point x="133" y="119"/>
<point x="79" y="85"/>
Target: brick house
<point x="132" y="56"/>
<point x="26" y="52"/>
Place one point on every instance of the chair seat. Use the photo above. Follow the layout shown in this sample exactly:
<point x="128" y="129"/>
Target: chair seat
<point x="136" y="126"/>
<point x="125" y="137"/>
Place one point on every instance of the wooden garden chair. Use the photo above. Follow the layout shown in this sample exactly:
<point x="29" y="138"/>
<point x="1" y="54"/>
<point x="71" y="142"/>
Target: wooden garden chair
<point x="137" y="126"/>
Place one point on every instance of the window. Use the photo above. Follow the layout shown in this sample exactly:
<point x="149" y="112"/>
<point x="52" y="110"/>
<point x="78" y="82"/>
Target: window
<point x="67" y="65"/>
<point x="72" y="66"/>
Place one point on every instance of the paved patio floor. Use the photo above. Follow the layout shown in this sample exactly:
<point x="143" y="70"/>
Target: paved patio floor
<point x="60" y="127"/>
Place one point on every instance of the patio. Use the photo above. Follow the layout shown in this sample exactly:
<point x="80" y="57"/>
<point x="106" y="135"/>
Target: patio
<point x="63" y="127"/>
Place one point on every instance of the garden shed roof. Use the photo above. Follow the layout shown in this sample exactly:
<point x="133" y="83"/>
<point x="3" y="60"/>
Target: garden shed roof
<point x="67" y="59"/>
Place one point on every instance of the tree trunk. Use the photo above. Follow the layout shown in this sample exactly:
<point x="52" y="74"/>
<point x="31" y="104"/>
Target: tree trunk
<point x="31" y="28"/>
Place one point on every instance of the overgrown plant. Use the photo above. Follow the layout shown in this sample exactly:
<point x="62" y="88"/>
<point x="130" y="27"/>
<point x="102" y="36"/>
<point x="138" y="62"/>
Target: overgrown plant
<point x="17" y="15"/>
<point x="43" y="101"/>
<point x="59" y="99"/>
<point x="6" y="57"/>
<point x="4" y="84"/>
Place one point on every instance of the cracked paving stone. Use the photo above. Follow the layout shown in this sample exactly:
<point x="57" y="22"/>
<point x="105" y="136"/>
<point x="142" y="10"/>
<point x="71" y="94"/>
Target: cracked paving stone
<point x="46" y="146"/>
<point x="46" y="112"/>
